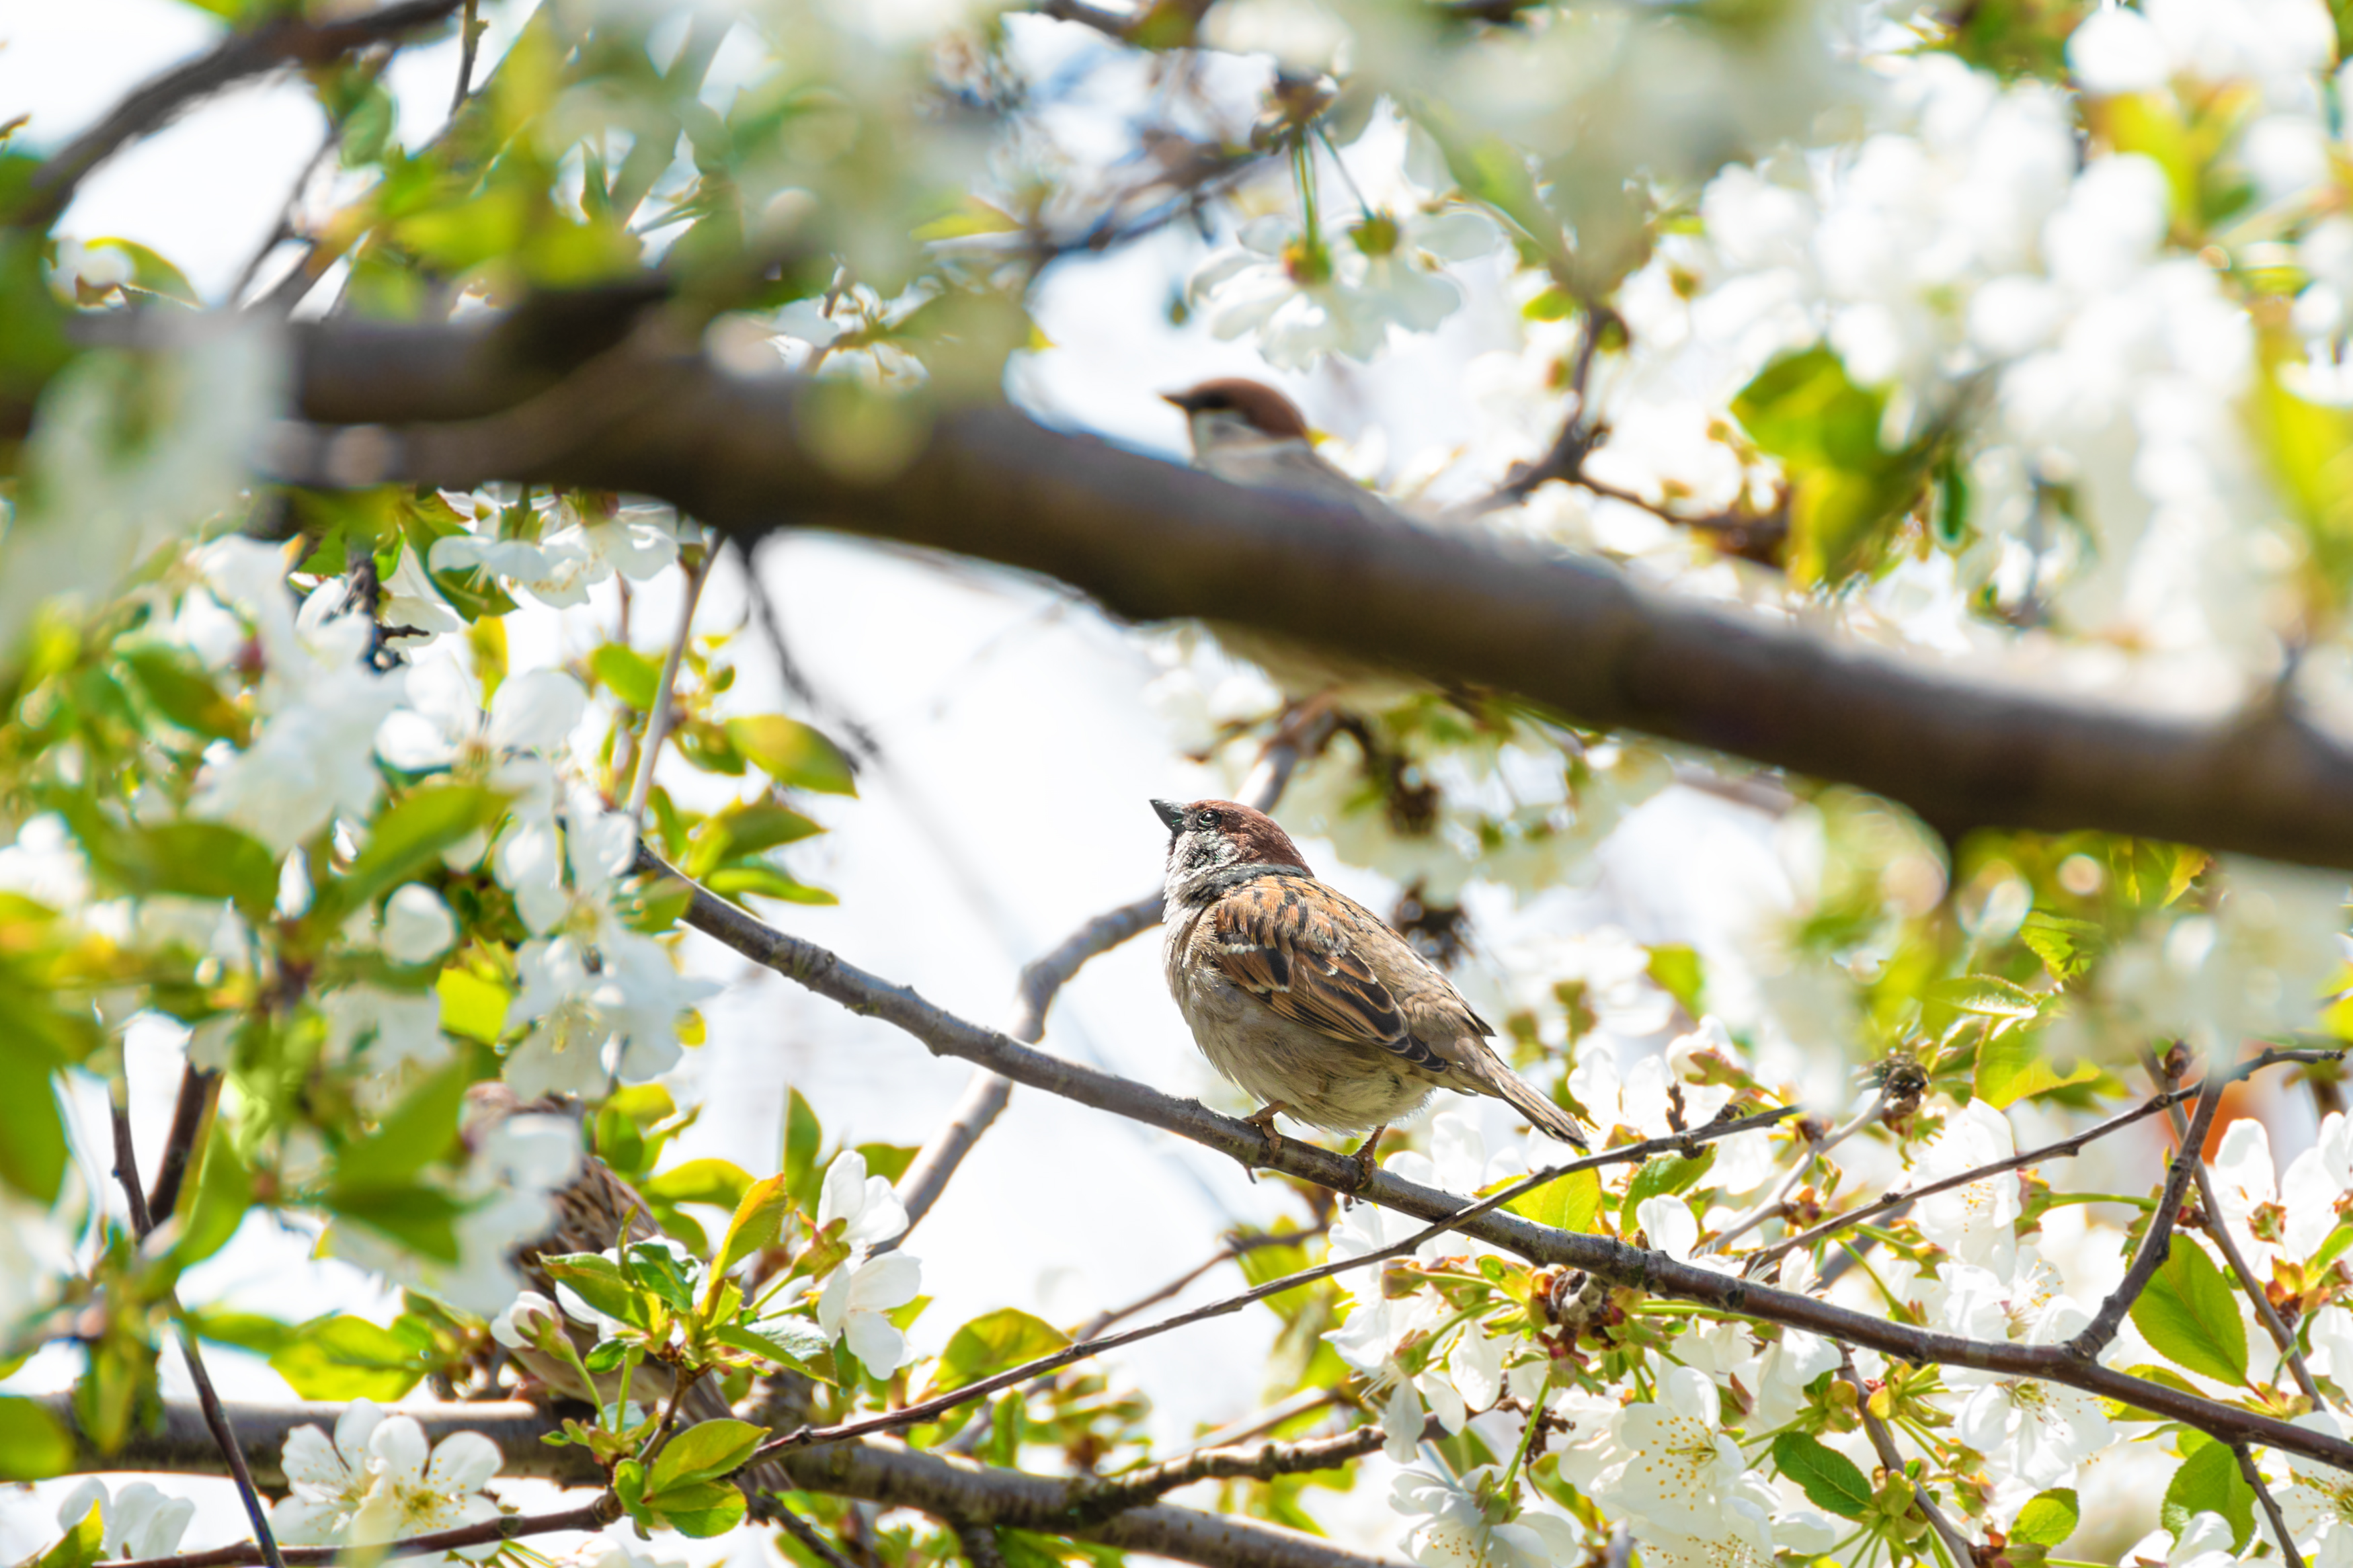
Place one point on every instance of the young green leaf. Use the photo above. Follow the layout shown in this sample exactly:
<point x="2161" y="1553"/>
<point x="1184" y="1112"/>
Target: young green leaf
<point x="599" y="1282"/>
<point x="759" y="1217"/>
<point x="990" y="1344"/>
<point x="791" y="753"/>
<point x="2190" y="1315"/>
<point x="419" y="1131"/>
<point x="212" y="1204"/>
<point x="2048" y="1518"/>
<point x="1829" y="1478"/>
<point x="411" y="835"/>
<point x="34" y="1444"/>
<point x="1572" y="1203"/>
<point x="703" y="1452"/>
<point x="2209" y="1481"/>
<point x="343" y="1357"/>
<point x="700" y="1508"/>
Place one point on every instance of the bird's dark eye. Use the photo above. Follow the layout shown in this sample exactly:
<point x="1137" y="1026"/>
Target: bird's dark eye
<point x="1210" y="819"/>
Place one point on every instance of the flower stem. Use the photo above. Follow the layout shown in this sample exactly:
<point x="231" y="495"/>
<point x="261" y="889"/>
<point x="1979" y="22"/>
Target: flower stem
<point x="1528" y="1434"/>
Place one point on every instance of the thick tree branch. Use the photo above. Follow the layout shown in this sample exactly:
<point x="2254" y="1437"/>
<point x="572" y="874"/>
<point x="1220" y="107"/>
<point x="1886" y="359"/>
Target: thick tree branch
<point x="1151" y="541"/>
<point x="506" y="1527"/>
<point x="2283" y="1337"/>
<point x="875" y="1470"/>
<point x="1085" y="1349"/>
<point x="2157" y="1241"/>
<point x="241" y="55"/>
<point x="943" y="1034"/>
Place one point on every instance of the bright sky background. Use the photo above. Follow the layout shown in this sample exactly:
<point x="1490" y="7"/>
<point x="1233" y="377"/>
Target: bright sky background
<point x="1021" y="751"/>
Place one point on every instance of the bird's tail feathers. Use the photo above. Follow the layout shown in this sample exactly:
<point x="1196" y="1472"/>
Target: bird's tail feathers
<point x="1509" y="1087"/>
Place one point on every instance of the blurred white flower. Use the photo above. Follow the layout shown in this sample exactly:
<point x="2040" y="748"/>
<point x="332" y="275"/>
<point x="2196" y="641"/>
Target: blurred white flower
<point x="525" y="1320"/>
<point x="417" y="926"/>
<point x="2206" y="1542"/>
<point x="1341" y="292"/>
<point x="411" y="606"/>
<point x="139" y="1520"/>
<point x="377" y="1481"/>
<point x="321" y="698"/>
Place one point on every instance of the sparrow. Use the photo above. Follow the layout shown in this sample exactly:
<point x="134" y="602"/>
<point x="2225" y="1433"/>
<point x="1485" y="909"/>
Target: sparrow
<point x="1246" y="433"/>
<point x="1307" y="1000"/>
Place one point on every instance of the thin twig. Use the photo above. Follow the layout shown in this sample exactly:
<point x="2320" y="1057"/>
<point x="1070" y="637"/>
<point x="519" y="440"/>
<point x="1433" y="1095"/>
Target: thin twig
<point x="916" y="1415"/>
<point x="158" y="102"/>
<point x="659" y="721"/>
<point x="805" y="1532"/>
<point x="828" y="974"/>
<point x="1772" y="1204"/>
<point x="2282" y="1335"/>
<point x="2280" y="1532"/>
<point x="1274" y="1416"/>
<point x="469" y="33"/>
<point x="1883" y="1444"/>
<point x="1263" y="1463"/>
<point x="188" y="1121"/>
<point x="1226" y="1254"/>
<point x="126" y="1171"/>
<point x="2157" y="1241"/>
<point x="2065" y="1148"/>
<point x="506" y="1527"/>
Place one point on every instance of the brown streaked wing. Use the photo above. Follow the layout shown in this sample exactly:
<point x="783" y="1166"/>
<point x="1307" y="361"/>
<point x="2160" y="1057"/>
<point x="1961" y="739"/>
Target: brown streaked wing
<point x="1271" y="938"/>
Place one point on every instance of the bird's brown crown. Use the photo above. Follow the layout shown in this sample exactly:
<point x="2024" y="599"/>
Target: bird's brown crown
<point x="1255" y="835"/>
<point x="1255" y="401"/>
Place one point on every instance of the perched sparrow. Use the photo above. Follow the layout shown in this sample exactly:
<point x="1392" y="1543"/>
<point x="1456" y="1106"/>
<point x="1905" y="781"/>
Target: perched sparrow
<point x="1307" y="999"/>
<point x="1246" y="433"/>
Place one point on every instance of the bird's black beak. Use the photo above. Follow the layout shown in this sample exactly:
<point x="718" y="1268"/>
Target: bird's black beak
<point x="1170" y="813"/>
<point x="1186" y="401"/>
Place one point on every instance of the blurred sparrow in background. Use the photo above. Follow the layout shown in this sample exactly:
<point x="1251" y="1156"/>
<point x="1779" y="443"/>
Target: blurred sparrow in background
<point x="1246" y="433"/>
<point x="1305" y="999"/>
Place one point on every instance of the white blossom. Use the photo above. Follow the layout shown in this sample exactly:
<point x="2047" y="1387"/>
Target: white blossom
<point x="1976" y="1222"/>
<point x="138" y="1520"/>
<point x="377" y="1480"/>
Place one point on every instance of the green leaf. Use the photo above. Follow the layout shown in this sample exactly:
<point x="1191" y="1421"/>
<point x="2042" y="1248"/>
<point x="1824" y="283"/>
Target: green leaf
<point x="704" y="1451"/>
<point x="888" y="1160"/>
<point x="423" y="1219"/>
<point x="791" y="753"/>
<point x="2017" y="1064"/>
<point x="2065" y="945"/>
<point x="599" y="1282"/>
<point x="2048" y="1518"/>
<point x="759" y="1217"/>
<point x="803" y="1134"/>
<point x="79" y="1547"/>
<point x="34" y="1444"/>
<point x="627" y="675"/>
<point x="264" y="1336"/>
<point x="654" y="1268"/>
<point x="1662" y="1177"/>
<point x="702" y="1509"/>
<point x="471" y="1007"/>
<point x="2190" y="1315"/>
<point x="183" y="692"/>
<point x="990" y="1344"/>
<point x="1572" y="1203"/>
<point x="1987" y="996"/>
<point x="1847" y="491"/>
<point x="1829" y="1478"/>
<point x="410" y="836"/>
<point x="1675" y="966"/>
<point x="32" y="1138"/>
<point x="419" y="1131"/>
<point x="795" y="1340"/>
<point x="212" y="1204"/>
<point x="721" y="1183"/>
<point x="2210" y="1481"/>
<point x="343" y="1358"/>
